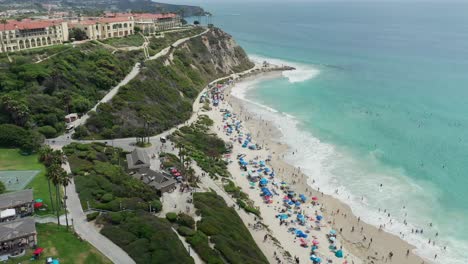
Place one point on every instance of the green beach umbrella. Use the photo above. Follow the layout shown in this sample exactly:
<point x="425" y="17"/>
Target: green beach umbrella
<point x="38" y="200"/>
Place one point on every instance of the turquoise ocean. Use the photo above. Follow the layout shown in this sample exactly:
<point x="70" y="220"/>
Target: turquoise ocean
<point x="380" y="96"/>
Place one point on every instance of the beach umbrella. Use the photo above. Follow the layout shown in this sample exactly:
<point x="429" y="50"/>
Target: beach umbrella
<point x="314" y="198"/>
<point x="38" y="205"/>
<point x="298" y="203"/>
<point x="319" y="217"/>
<point x="315" y="242"/>
<point x="303" y="198"/>
<point x="38" y="251"/>
<point x="332" y="239"/>
<point x="339" y="253"/>
<point x="332" y="232"/>
<point x="263" y="181"/>
<point x="38" y="200"/>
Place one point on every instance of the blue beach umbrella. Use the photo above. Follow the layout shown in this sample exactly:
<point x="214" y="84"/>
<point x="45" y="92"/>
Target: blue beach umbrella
<point x="339" y="253"/>
<point x="303" y="198"/>
<point x="319" y="217"/>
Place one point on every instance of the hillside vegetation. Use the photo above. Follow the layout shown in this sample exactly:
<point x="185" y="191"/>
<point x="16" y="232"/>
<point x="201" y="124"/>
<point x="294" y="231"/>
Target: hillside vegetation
<point x="163" y="93"/>
<point x="221" y="226"/>
<point x="37" y="96"/>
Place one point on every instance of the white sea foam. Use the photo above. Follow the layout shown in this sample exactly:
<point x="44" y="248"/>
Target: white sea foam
<point x="302" y="72"/>
<point x="357" y="181"/>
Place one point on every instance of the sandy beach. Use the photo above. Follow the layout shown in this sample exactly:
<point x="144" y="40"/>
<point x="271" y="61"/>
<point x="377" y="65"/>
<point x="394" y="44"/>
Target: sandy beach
<point x="361" y="243"/>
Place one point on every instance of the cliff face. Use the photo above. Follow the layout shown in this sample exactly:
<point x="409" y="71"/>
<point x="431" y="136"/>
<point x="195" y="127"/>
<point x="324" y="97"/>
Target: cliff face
<point x="220" y="50"/>
<point x="164" y="91"/>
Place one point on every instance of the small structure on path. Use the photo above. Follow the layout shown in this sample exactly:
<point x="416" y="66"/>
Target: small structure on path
<point x="138" y="159"/>
<point x="71" y="118"/>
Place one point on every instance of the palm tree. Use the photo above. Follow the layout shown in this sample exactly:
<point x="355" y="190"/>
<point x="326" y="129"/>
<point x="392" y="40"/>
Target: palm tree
<point x="190" y="174"/>
<point x="65" y="181"/>
<point x="56" y="173"/>
<point x="46" y="156"/>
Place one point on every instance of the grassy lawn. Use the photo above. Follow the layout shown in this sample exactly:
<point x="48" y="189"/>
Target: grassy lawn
<point x="129" y="41"/>
<point x="64" y="245"/>
<point x="11" y="159"/>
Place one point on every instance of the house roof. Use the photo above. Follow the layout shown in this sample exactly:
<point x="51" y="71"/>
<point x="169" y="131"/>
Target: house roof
<point x="14" y="199"/>
<point x="28" y="24"/>
<point x="17" y="229"/>
<point x="137" y="159"/>
<point x="154" y="178"/>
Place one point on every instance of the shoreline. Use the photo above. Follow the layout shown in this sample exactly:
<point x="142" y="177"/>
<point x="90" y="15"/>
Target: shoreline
<point x="375" y="251"/>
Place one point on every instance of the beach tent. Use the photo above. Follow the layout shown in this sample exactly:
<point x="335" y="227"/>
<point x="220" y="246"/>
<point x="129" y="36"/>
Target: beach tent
<point x="339" y="253"/>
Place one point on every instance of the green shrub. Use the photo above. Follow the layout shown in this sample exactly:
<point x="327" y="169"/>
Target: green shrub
<point x="92" y="216"/>
<point x="2" y="187"/>
<point x="107" y="197"/>
<point x="115" y="218"/>
<point x="47" y="131"/>
<point x="185" y="220"/>
<point x="12" y="136"/>
<point x="156" y="205"/>
<point x="172" y="217"/>
<point x="185" y="231"/>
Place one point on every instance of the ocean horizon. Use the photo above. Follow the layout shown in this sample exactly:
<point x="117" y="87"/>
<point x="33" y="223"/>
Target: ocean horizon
<point x="376" y="110"/>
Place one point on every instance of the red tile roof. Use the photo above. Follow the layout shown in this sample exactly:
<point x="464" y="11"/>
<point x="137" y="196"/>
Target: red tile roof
<point x="28" y="24"/>
<point x="153" y="16"/>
